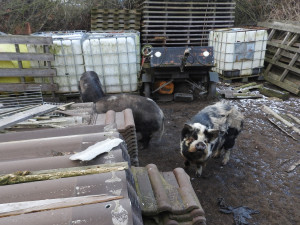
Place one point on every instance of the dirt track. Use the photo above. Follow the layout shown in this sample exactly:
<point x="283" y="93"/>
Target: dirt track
<point x="256" y="174"/>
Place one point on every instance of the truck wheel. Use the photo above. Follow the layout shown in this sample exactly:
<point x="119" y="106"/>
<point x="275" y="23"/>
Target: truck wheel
<point x="147" y="91"/>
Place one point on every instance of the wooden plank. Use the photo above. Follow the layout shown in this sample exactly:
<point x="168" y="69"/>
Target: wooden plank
<point x="188" y="3"/>
<point x="19" y="208"/>
<point x="187" y="26"/>
<point x="282" y="65"/>
<point x="27" y="72"/>
<point x="25" y="39"/>
<point x="187" y="17"/>
<point x="20" y="65"/>
<point x="187" y="21"/>
<point x="290" y="27"/>
<point x="285" y="47"/>
<point x="200" y="34"/>
<point x="289" y="86"/>
<point x="277" y="56"/>
<point x="291" y="64"/>
<point x="176" y="39"/>
<point x="10" y="56"/>
<point x="283" y="53"/>
<point x="17" y="87"/>
<point x="22" y="116"/>
<point x="192" y="13"/>
<point x="176" y="44"/>
<point x="181" y="31"/>
<point x="206" y="7"/>
<point x="116" y="11"/>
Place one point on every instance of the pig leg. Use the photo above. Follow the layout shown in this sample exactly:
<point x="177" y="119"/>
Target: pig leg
<point x="229" y="142"/>
<point x="145" y="140"/>
<point x="187" y="164"/>
<point x="217" y="153"/>
<point x="226" y="157"/>
<point x="199" y="169"/>
<point x="228" y="145"/>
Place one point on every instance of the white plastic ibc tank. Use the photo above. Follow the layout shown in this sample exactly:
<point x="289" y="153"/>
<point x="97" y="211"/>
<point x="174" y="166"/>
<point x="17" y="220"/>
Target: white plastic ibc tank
<point x="115" y="57"/>
<point x="238" y="51"/>
<point x="69" y="63"/>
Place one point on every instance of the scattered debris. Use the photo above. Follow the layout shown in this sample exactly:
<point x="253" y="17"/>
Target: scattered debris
<point x="294" y="118"/>
<point x="59" y="122"/>
<point x="293" y="166"/>
<point x="284" y="95"/>
<point x="245" y="86"/>
<point x="64" y="107"/>
<point x="235" y="94"/>
<point x="247" y="89"/>
<point x="269" y="111"/>
<point x="240" y="214"/>
<point x="284" y="131"/>
<point x="27" y="114"/>
<point x="97" y="149"/>
<point x="27" y="176"/>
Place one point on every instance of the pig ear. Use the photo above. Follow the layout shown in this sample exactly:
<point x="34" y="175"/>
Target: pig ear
<point x="186" y="131"/>
<point x="211" y="134"/>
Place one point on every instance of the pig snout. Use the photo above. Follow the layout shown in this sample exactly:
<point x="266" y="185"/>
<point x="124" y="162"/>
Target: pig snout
<point x="200" y="146"/>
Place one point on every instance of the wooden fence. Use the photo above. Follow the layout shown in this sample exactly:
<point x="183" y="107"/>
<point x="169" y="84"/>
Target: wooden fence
<point x="181" y="23"/>
<point x="21" y="72"/>
<point x="283" y="55"/>
<point x="113" y="19"/>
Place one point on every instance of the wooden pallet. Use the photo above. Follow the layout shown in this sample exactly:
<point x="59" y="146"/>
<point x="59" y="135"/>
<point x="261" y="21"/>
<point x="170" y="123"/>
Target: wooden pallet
<point x="113" y="19"/>
<point x="182" y="23"/>
<point x="243" y="79"/>
<point x="45" y="58"/>
<point x="283" y="55"/>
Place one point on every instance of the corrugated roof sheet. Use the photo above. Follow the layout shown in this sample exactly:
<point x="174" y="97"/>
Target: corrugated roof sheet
<point x="49" y="149"/>
<point x="124" y="122"/>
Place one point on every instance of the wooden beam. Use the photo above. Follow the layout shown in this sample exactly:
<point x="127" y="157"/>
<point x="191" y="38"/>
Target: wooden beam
<point x="282" y="65"/>
<point x="285" y="47"/>
<point x="290" y="27"/>
<point x="188" y="3"/>
<point x="17" y="87"/>
<point x="25" y="39"/>
<point x="27" y="72"/>
<point x="10" y="56"/>
<point x="21" y="116"/>
<point x="274" y="79"/>
<point x="19" y="208"/>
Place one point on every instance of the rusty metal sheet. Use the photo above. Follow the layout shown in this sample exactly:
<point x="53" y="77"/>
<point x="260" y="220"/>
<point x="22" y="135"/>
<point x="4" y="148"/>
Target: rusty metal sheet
<point x="47" y="163"/>
<point x="46" y="147"/>
<point x="108" y="213"/>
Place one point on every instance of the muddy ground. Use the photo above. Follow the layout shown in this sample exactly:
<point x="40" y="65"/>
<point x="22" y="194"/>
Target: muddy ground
<point x="256" y="174"/>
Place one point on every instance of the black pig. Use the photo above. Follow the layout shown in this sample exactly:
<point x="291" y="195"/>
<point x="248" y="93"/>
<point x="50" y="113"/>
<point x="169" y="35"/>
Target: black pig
<point x="90" y="87"/>
<point x="212" y="129"/>
<point x="148" y="117"/>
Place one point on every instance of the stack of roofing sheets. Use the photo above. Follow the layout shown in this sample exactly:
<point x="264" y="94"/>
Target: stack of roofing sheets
<point x="106" y="197"/>
<point x="125" y="124"/>
<point x="167" y="198"/>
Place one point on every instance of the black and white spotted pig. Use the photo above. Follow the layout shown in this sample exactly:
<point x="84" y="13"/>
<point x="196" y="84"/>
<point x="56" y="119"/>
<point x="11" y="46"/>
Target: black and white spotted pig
<point x="148" y="117"/>
<point x="212" y="129"/>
